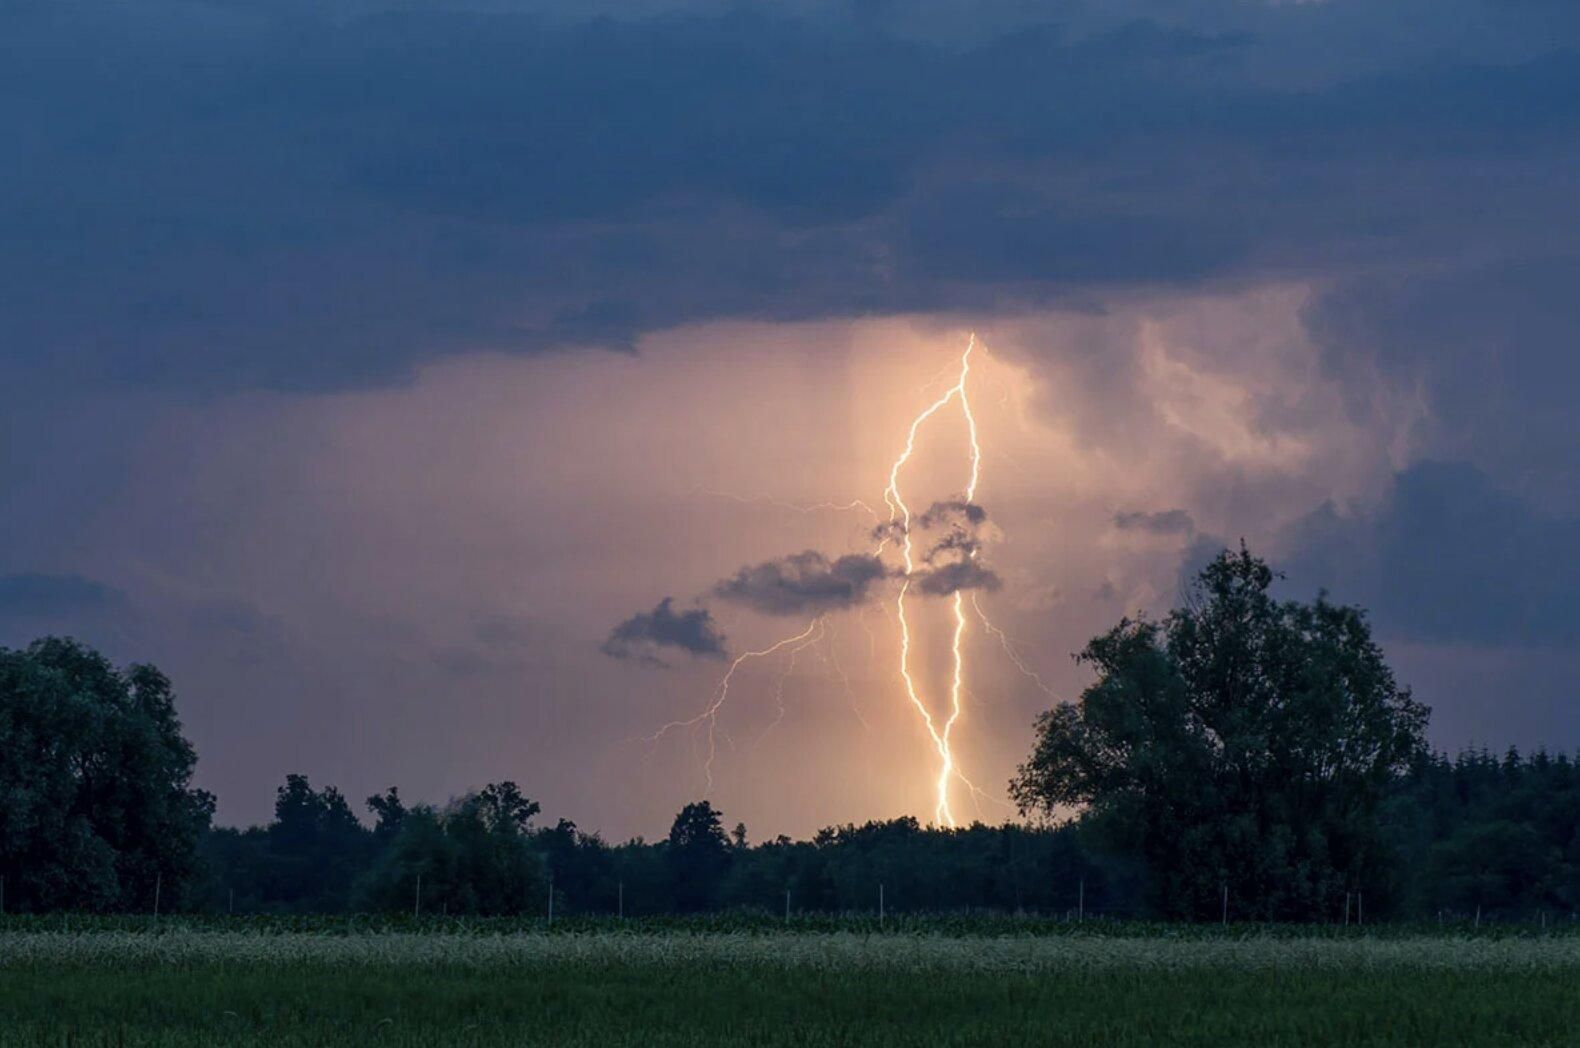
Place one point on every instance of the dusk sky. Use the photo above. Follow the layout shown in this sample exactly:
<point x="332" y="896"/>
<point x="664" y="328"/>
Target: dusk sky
<point x="370" y="366"/>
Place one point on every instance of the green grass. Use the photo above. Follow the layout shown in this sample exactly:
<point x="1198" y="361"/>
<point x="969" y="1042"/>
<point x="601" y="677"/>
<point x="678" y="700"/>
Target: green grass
<point x="966" y="924"/>
<point x="196" y="987"/>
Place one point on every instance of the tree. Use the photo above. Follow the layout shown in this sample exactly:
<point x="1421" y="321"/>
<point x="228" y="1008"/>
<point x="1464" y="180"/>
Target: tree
<point x="316" y="848"/>
<point x="97" y="810"/>
<point x="476" y="856"/>
<point x="582" y="867"/>
<point x="698" y="856"/>
<point x="1242" y="743"/>
<point x="388" y="812"/>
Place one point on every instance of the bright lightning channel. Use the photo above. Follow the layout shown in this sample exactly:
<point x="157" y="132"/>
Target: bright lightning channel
<point x="900" y="512"/>
<point x="900" y="516"/>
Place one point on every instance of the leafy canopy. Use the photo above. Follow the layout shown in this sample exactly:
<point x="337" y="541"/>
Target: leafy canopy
<point x="96" y="806"/>
<point x="1241" y="744"/>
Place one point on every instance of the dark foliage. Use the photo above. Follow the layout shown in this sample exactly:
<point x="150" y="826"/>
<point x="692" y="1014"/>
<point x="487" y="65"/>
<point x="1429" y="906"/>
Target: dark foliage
<point x="96" y="807"/>
<point x="1241" y="742"/>
<point x="1241" y="749"/>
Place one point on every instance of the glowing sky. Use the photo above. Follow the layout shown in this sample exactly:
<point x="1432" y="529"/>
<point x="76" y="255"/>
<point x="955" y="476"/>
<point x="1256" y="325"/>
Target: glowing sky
<point x="363" y="367"/>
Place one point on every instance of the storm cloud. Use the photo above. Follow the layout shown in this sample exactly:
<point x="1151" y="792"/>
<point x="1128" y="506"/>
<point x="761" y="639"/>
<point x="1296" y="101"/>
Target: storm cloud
<point x="1447" y="557"/>
<point x="804" y="582"/>
<point x="644" y="636"/>
<point x="312" y="314"/>
<point x="364" y="187"/>
<point x="956" y="576"/>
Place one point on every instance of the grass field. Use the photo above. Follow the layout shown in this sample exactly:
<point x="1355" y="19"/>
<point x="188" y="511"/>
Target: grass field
<point x="252" y="983"/>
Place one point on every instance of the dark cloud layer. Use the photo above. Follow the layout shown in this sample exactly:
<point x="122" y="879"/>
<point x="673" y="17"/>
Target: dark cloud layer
<point x="646" y="635"/>
<point x="203" y="201"/>
<point x="1449" y="557"/>
<point x="1490" y="346"/>
<point x="806" y="582"/>
<point x="33" y="595"/>
<point x="206" y="195"/>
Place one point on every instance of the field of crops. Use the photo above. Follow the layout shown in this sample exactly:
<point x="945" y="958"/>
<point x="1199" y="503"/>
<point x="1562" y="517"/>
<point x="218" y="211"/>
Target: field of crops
<point x="959" y="981"/>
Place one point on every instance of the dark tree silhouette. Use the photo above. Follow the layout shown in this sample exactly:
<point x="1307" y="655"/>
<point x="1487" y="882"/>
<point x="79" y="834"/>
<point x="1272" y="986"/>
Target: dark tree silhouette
<point x="1242" y="743"/>
<point x="475" y="857"/>
<point x="1239" y="742"/>
<point x="316" y="848"/>
<point x="698" y="856"/>
<point x="388" y="813"/>
<point x="96" y="805"/>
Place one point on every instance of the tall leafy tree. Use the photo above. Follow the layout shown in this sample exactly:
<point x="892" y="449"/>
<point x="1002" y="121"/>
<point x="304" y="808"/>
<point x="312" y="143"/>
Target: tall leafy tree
<point x="97" y="810"/>
<point x="1242" y="744"/>
<point x="316" y="847"/>
<point x="698" y="854"/>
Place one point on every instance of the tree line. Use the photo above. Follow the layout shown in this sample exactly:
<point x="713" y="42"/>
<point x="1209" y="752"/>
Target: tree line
<point x="1242" y="757"/>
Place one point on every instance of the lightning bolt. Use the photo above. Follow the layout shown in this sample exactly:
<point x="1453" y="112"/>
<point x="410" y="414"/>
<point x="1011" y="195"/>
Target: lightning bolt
<point x="1009" y="650"/>
<point x="940" y="729"/>
<point x="796" y="507"/>
<point x="900" y="513"/>
<point x="784" y="677"/>
<point x="721" y="694"/>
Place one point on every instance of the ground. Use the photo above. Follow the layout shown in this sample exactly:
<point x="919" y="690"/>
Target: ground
<point x="258" y="984"/>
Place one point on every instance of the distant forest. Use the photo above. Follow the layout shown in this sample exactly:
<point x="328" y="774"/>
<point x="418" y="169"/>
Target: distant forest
<point x="1243" y="758"/>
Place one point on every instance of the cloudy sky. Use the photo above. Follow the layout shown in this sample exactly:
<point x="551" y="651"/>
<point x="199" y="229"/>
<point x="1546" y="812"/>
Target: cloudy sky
<point x="444" y="392"/>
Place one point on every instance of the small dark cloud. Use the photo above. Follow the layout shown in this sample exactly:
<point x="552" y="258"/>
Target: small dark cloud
<point x="950" y="551"/>
<point x="804" y="582"/>
<point x="960" y="517"/>
<point x="1163" y="522"/>
<point x="37" y="595"/>
<point x="954" y="577"/>
<point x="643" y="636"/>
<point x="961" y="523"/>
<point x="953" y="511"/>
<point x="955" y="545"/>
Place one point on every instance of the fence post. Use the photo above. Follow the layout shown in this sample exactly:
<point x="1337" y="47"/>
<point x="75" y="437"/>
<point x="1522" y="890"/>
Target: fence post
<point x="416" y="905"/>
<point x="880" y="904"/>
<point x="1346" y="909"/>
<point x="551" y="898"/>
<point x="787" y="905"/>
<point x="1360" y="908"/>
<point x="621" y="902"/>
<point x="1080" y="902"/>
<point x="230" y="907"/>
<point x="1225" y="904"/>
<point x="159" y="880"/>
